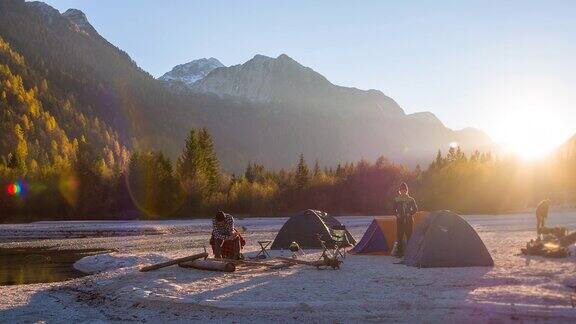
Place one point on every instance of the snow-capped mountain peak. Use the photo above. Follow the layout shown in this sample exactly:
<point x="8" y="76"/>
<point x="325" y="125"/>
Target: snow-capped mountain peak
<point x="189" y="73"/>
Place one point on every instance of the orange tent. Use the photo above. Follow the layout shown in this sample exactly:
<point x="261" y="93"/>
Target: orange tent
<point x="380" y="236"/>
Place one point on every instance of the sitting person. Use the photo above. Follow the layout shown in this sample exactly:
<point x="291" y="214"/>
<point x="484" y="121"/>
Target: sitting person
<point x="226" y="242"/>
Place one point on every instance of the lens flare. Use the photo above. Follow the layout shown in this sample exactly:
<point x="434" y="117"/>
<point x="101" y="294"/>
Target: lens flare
<point x="149" y="198"/>
<point x="69" y="186"/>
<point x="14" y="189"/>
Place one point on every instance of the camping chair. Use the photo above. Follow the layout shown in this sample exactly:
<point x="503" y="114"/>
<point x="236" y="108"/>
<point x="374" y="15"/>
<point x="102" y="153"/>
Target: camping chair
<point x="330" y="256"/>
<point x="263" y="254"/>
<point x="339" y="239"/>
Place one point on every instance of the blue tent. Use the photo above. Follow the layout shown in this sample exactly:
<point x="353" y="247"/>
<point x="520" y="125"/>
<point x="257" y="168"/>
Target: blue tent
<point x="375" y="241"/>
<point x="445" y="239"/>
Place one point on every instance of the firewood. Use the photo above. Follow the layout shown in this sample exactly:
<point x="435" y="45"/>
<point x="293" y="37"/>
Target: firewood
<point x="210" y="264"/>
<point x="318" y="263"/>
<point x="249" y="263"/>
<point x="175" y="261"/>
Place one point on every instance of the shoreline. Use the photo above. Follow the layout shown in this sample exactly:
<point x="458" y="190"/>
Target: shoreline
<point x="553" y="209"/>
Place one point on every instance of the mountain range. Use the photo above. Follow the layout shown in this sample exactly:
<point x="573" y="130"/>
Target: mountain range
<point x="267" y="109"/>
<point x="345" y="123"/>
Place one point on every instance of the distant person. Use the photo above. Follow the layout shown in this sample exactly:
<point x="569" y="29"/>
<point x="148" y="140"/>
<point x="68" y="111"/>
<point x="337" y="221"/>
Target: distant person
<point x="226" y="241"/>
<point x="404" y="207"/>
<point x="541" y="215"/>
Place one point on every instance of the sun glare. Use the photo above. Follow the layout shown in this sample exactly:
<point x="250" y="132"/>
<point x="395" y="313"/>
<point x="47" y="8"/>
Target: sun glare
<point x="531" y="119"/>
<point x="530" y="135"/>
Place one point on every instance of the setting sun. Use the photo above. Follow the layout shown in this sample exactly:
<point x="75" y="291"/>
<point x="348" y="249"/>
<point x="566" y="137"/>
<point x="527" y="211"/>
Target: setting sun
<point x="529" y="137"/>
<point x="529" y="121"/>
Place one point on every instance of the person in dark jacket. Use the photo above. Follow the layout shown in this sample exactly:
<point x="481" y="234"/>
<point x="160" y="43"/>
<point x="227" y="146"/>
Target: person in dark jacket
<point x="541" y="215"/>
<point x="404" y="208"/>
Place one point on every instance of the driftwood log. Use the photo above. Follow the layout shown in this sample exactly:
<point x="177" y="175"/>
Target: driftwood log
<point x="250" y="263"/>
<point x="210" y="264"/>
<point x="281" y="266"/>
<point x="270" y="265"/>
<point x="318" y="263"/>
<point x="157" y="266"/>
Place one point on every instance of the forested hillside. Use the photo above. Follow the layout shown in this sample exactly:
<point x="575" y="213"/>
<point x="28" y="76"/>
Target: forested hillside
<point x="96" y="77"/>
<point x="42" y="128"/>
<point x="101" y="81"/>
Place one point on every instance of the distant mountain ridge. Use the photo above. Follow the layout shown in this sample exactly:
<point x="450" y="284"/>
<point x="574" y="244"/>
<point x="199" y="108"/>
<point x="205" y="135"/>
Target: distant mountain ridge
<point x="267" y="110"/>
<point x="283" y="80"/>
<point x="366" y="117"/>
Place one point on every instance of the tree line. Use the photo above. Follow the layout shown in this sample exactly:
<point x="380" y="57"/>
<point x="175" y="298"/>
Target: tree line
<point x="71" y="163"/>
<point x="152" y="186"/>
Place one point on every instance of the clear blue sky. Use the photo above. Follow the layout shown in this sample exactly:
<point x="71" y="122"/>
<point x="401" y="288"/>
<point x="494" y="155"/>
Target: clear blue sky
<point x="507" y="67"/>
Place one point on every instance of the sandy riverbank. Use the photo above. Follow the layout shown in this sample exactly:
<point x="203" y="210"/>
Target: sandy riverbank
<point x="367" y="288"/>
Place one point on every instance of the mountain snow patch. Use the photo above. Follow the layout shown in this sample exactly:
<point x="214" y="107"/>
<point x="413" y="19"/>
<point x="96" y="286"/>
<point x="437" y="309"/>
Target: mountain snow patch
<point x="191" y="72"/>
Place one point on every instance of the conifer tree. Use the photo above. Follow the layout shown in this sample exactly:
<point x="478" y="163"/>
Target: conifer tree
<point x="340" y="172"/>
<point x="254" y="172"/>
<point x="12" y="161"/>
<point x="382" y="162"/>
<point x="90" y="191"/>
<point x="210" y="160"/>
<point x="317" y="170"/>
<point x="249" y="173"/>
<point x="198" y="167"/>
<point x="152" y="184"/>
<point x="438" y="161"/>
<point x="188" y="164"/>
<point x="302" y="173"/>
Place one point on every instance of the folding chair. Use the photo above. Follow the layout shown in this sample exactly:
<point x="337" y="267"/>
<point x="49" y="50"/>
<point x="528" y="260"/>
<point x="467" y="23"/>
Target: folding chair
<point x="339" y="238"/>
<point x="263" y="252"/>
<point x="330" y="256"/>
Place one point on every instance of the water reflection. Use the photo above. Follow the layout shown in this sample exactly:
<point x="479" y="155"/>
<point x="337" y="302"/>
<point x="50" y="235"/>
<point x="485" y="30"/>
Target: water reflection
<point x="37" y="265"/>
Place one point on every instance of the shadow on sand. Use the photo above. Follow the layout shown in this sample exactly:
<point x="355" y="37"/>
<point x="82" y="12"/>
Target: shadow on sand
<point x="367" y="288"/>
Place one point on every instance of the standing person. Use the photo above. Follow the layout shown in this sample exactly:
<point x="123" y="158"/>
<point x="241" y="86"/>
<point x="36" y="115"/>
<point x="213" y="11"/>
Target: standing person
<point x="541" y="215"/>
<point x="226" y="242"/>
<point x="404" y="207"/>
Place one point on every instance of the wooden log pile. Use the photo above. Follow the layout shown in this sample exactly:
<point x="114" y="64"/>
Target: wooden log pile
<point x="157" y="266"/>
<point x="200" y="261"/>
